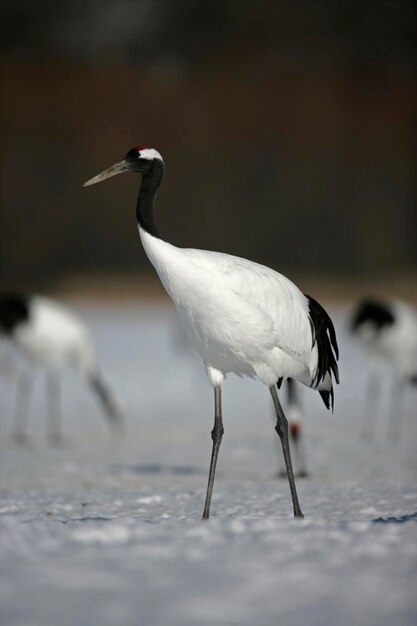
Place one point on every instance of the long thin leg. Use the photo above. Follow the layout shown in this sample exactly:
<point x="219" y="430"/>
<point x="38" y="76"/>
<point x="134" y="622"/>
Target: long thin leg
<point x="372" y="394"/>
<point x="297" y="447"/>
<point x="282" y="430"/>
<point x="396" y="418"/>
<point x="21" y="417"/>
<point x="216" y="435"/>
<point x="297" y="439"/>
<point x="54" y="416"/>
<point x="294" y="413"/>
<point x="296" y="430"/>
<point x="107" y="401"/>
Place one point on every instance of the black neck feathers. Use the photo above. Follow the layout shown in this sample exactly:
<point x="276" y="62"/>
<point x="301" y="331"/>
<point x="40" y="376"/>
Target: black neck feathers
<point x="148" y="189"/>
<point x="14" y="310"/>
<point x="376" y="313"/>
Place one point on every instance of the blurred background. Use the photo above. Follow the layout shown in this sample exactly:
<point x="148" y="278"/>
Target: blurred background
<point x="288" y="131"/>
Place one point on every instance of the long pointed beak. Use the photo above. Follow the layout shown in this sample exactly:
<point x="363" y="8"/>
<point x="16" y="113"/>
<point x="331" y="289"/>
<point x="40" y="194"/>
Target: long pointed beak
<point x="117" y="168"/>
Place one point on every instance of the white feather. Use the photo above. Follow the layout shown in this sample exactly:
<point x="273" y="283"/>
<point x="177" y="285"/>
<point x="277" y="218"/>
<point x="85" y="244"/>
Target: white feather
<point x="150" y="154"/>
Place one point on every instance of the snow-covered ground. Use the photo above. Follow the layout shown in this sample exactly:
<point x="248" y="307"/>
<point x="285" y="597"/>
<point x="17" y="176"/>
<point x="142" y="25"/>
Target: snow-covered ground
<point x="108" y="533"/>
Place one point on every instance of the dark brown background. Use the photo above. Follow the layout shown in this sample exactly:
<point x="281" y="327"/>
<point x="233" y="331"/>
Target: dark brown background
<point x="288" y="131"/>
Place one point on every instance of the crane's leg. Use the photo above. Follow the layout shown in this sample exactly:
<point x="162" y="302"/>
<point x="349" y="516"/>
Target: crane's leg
<point x="396" y="418"/>
<point x="282" y="430"/>
<point x="371" y="403"/>
<point x="297" y="439"/>
<point x="111" y="410"/>
<point x="24" y="388"/>
<point x="297" y="447"/>
<point x="296" y="430"/>
<point x="295" y="433"/>
<point x="216" y="435"/>
<point x="54" y="415"/>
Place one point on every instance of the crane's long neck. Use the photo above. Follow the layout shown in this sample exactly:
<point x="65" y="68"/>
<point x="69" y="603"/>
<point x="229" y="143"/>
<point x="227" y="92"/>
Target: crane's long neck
<point x="148" y="189"/>
<point x="169" y="261"/>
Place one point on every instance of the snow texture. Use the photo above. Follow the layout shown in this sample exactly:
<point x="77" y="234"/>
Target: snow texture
<point x="108" y="532"/>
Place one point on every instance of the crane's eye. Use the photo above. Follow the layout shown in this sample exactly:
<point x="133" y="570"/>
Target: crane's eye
<point x="133" y="154"/>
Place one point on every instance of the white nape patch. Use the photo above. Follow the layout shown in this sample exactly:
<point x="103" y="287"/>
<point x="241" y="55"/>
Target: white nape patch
<point x="150" y="154"/>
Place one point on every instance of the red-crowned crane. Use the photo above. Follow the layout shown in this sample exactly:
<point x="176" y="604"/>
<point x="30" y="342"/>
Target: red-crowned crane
<point x="50" y="336"/>
<point x="240" y="316"/>
<point x="387" y="328"/>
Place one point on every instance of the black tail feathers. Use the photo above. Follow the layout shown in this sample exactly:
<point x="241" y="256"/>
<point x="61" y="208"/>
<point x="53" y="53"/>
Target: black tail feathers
<point x="324" y="335"/>
<point x="328" y="398"/>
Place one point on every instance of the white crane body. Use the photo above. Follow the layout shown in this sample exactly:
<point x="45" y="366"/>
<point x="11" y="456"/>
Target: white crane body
<point x="54" y="337"/>
<point x="387" y="329"/>
<point x="240" y="316"/>
<point x="50" y="337"/>
<point x="394" y="339"/>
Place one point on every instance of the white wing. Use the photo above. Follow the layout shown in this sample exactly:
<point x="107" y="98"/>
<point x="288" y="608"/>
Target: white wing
<point x="253" y="302"/>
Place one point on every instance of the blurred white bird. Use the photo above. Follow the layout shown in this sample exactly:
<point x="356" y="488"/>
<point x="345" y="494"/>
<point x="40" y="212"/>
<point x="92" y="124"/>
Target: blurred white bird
<point x="388" y="331"/>
<point x="47" y="334"/>
<point x="240" y="316"/>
